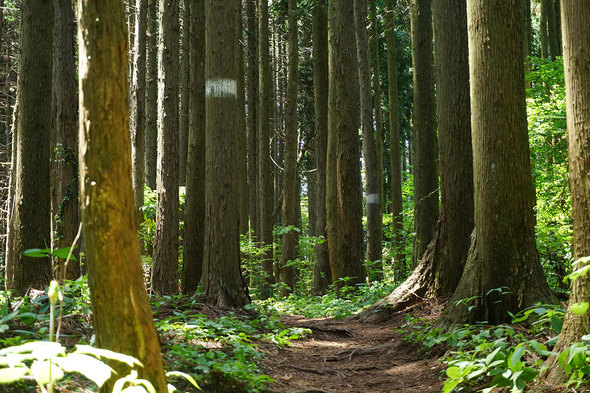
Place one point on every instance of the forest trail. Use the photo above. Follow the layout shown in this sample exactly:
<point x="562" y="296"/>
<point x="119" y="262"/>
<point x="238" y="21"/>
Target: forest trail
<point x="348" y="356"/>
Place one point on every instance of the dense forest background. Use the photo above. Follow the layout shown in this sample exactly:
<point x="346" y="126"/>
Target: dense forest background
<point x="224" y="166"/>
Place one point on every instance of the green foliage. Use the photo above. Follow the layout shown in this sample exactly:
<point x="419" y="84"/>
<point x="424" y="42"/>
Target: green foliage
<point x="147" y="228"/>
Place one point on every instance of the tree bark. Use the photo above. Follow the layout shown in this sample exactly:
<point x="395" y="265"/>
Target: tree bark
<point x="64" y="161"/>
<point x="264" y="114"/>
<point x="322" y="275"/>
<point x="502" y="273"/>
<point x="29" y="225"/>
<point x="372" y="186"/>
<point x="222" y="280"/>
<point x="164" y="275"/>
<point x="138" y="113"/>
<point x="549" y="11"/>
<point x="576" y="50"/>
<point x="377" y="98"/>
<point x="252" y="122"/>
<point x="241" y="142"/>
<point x="194" y="208"/>
<point x="183" y="116"/>
<point x="151" y="99"/>
<point x="394" y="144"/>
<point x="424" y="132"/>
<point x="343" y="184"/>
<point x="290" y="175"/>
<point x="122" y="317"/>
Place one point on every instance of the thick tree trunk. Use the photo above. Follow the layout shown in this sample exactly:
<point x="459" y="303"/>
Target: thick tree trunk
<point x="343" y="185"/>
<point x="424" y="133"/>
<point x="394" y="144"/>
<point x="372" y="186"/>
<point x="576" y="50"/>
<point x="322" y="276"/>
<point x="138" y="113"/>
<point x="502" y="273"/>
<point x="64" y="161"/>
<point x="29" y="225"/>
<point x="377" y="97"/>
<point x="252" y="122"/>
<point x="222" y="279"/>
<point x="183" y="116"/>
<point x="264" y="114"/>
<point x="151" y="99"/>
<point x="290" y="175"/>
<point x="121" y="317"/>
<point x="194" y="208"/>
<point x="164" y="275"/>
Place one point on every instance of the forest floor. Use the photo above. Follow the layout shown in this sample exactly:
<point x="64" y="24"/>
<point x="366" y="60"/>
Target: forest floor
<point x="353" y="357"/>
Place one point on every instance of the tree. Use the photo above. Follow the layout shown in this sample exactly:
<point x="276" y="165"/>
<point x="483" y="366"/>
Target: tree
<point x="29" y="220"/>
<point x="121" y="314"/>
<point x="222" y="279"/>
<point x="64" y="160"/>
<point x="252" y="122"/>
<point x="243" y="196"/>
<point x="194" y="208"/>
<point x="424" y="132"/>
<point x="548" y="12"/>
<point x="264" y="114"/>
<point x="576" y="50"/>
<point x="372" y="178"/>
<point x="151" y="98"/>
<point x="394" y="142"/>
<point x="322" y="276"/>
<point x="290" y="175"/>
<point x="164" y="275"/>
<point x="502" y="273"/>
<point x="377" y="97"/>
<point x="138" y="95"/>
<point x="343" y="175"/>
<point x="183" y="117"/>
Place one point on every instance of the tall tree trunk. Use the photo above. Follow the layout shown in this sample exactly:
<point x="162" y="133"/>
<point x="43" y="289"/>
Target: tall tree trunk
<point x="290" y="175"/>
<point x="183" y="116"/>
<point x="64" y="172"/>
<point x="138" y="113"/>
<point x="264" y="114"/>
<point x="372" y="186"/>
<point x="222" y="278"/>
<point x="543" y="33"/>
<point x="343" y="185"/>
<point x="164" y="275"/>
<point x="502" y="273"/>
<point x="30" y="220"/>
<point x="151" y="99"/>
<point x="549" y="10"/>
<point x="194" y="205"/>
<point x="121" y="317"/>
<point x="322" y="276"/>
<point x="377" y="97"/>
<point x="252" y="121"/>
<point x="394" y="144"/>
<point x="424" y="133"/>
<point x="243" y="196"/>
<point x="576" y="50"/>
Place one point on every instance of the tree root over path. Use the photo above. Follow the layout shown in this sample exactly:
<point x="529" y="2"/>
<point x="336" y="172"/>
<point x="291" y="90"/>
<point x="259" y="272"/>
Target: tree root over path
<point x="351" y="357"/>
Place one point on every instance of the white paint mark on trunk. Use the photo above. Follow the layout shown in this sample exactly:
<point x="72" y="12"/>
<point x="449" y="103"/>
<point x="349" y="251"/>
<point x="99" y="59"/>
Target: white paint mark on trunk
<point x="221" y="88"/>
<point x="373" y="199"/>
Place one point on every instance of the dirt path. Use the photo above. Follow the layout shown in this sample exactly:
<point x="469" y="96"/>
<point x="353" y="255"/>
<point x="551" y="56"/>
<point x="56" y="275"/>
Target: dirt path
<point x="350" y="357"/>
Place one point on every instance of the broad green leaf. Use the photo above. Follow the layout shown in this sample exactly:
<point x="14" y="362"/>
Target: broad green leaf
<point x="12" y="374"/>
<point x="89" y="366"/>
<point x="37" y="252"/>
<point x="63" y="253"/>
<point x="453" y="372"/>
<point x="39" y="350"/>
<point x="556" y="324"/>
<point x="45" y="372"/>
<point x="9" y="317"/>
<point x="105" y="353"/>
<point x="449" y="385"/>
<point x="514" y="360"/>
<point x="579" y="308"/>
<point x="476" y="373"/>
<point x="581" y="271"/>
<point x="492" y="356"/>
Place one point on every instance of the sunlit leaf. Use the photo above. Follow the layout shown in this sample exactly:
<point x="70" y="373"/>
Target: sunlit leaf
<point x="12" y="374"/>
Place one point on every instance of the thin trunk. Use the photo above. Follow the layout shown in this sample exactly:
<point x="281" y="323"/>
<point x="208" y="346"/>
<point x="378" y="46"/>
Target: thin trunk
<point x="290" y="175"/>
<point x="343" y="185"/>
<point x="241" y="136"/>
<point x="394" y="144"/>
<point x="265" y="184"/>
<point x="424" y="132"/>
<point x="222" y="279"/>
<point x="377" y="97"/>
<point x="151" y="99"/>
<point x="183" y="115"/>
<point x="194" y="208"/>
<point x="64" y="161"/>
<point x="30" y="217"/>
<point x="252" y="116"/>
<point x="549" y="9"/>
<point x="372" y="186"/>
<point x="164" y="275"/>
<point x="543" y="28"/>
<point x="121" y="315"/>
<point x="322" y="276"/>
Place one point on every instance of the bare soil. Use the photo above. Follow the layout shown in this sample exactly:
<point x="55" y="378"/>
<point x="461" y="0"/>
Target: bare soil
<point x="350" y="357"/>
